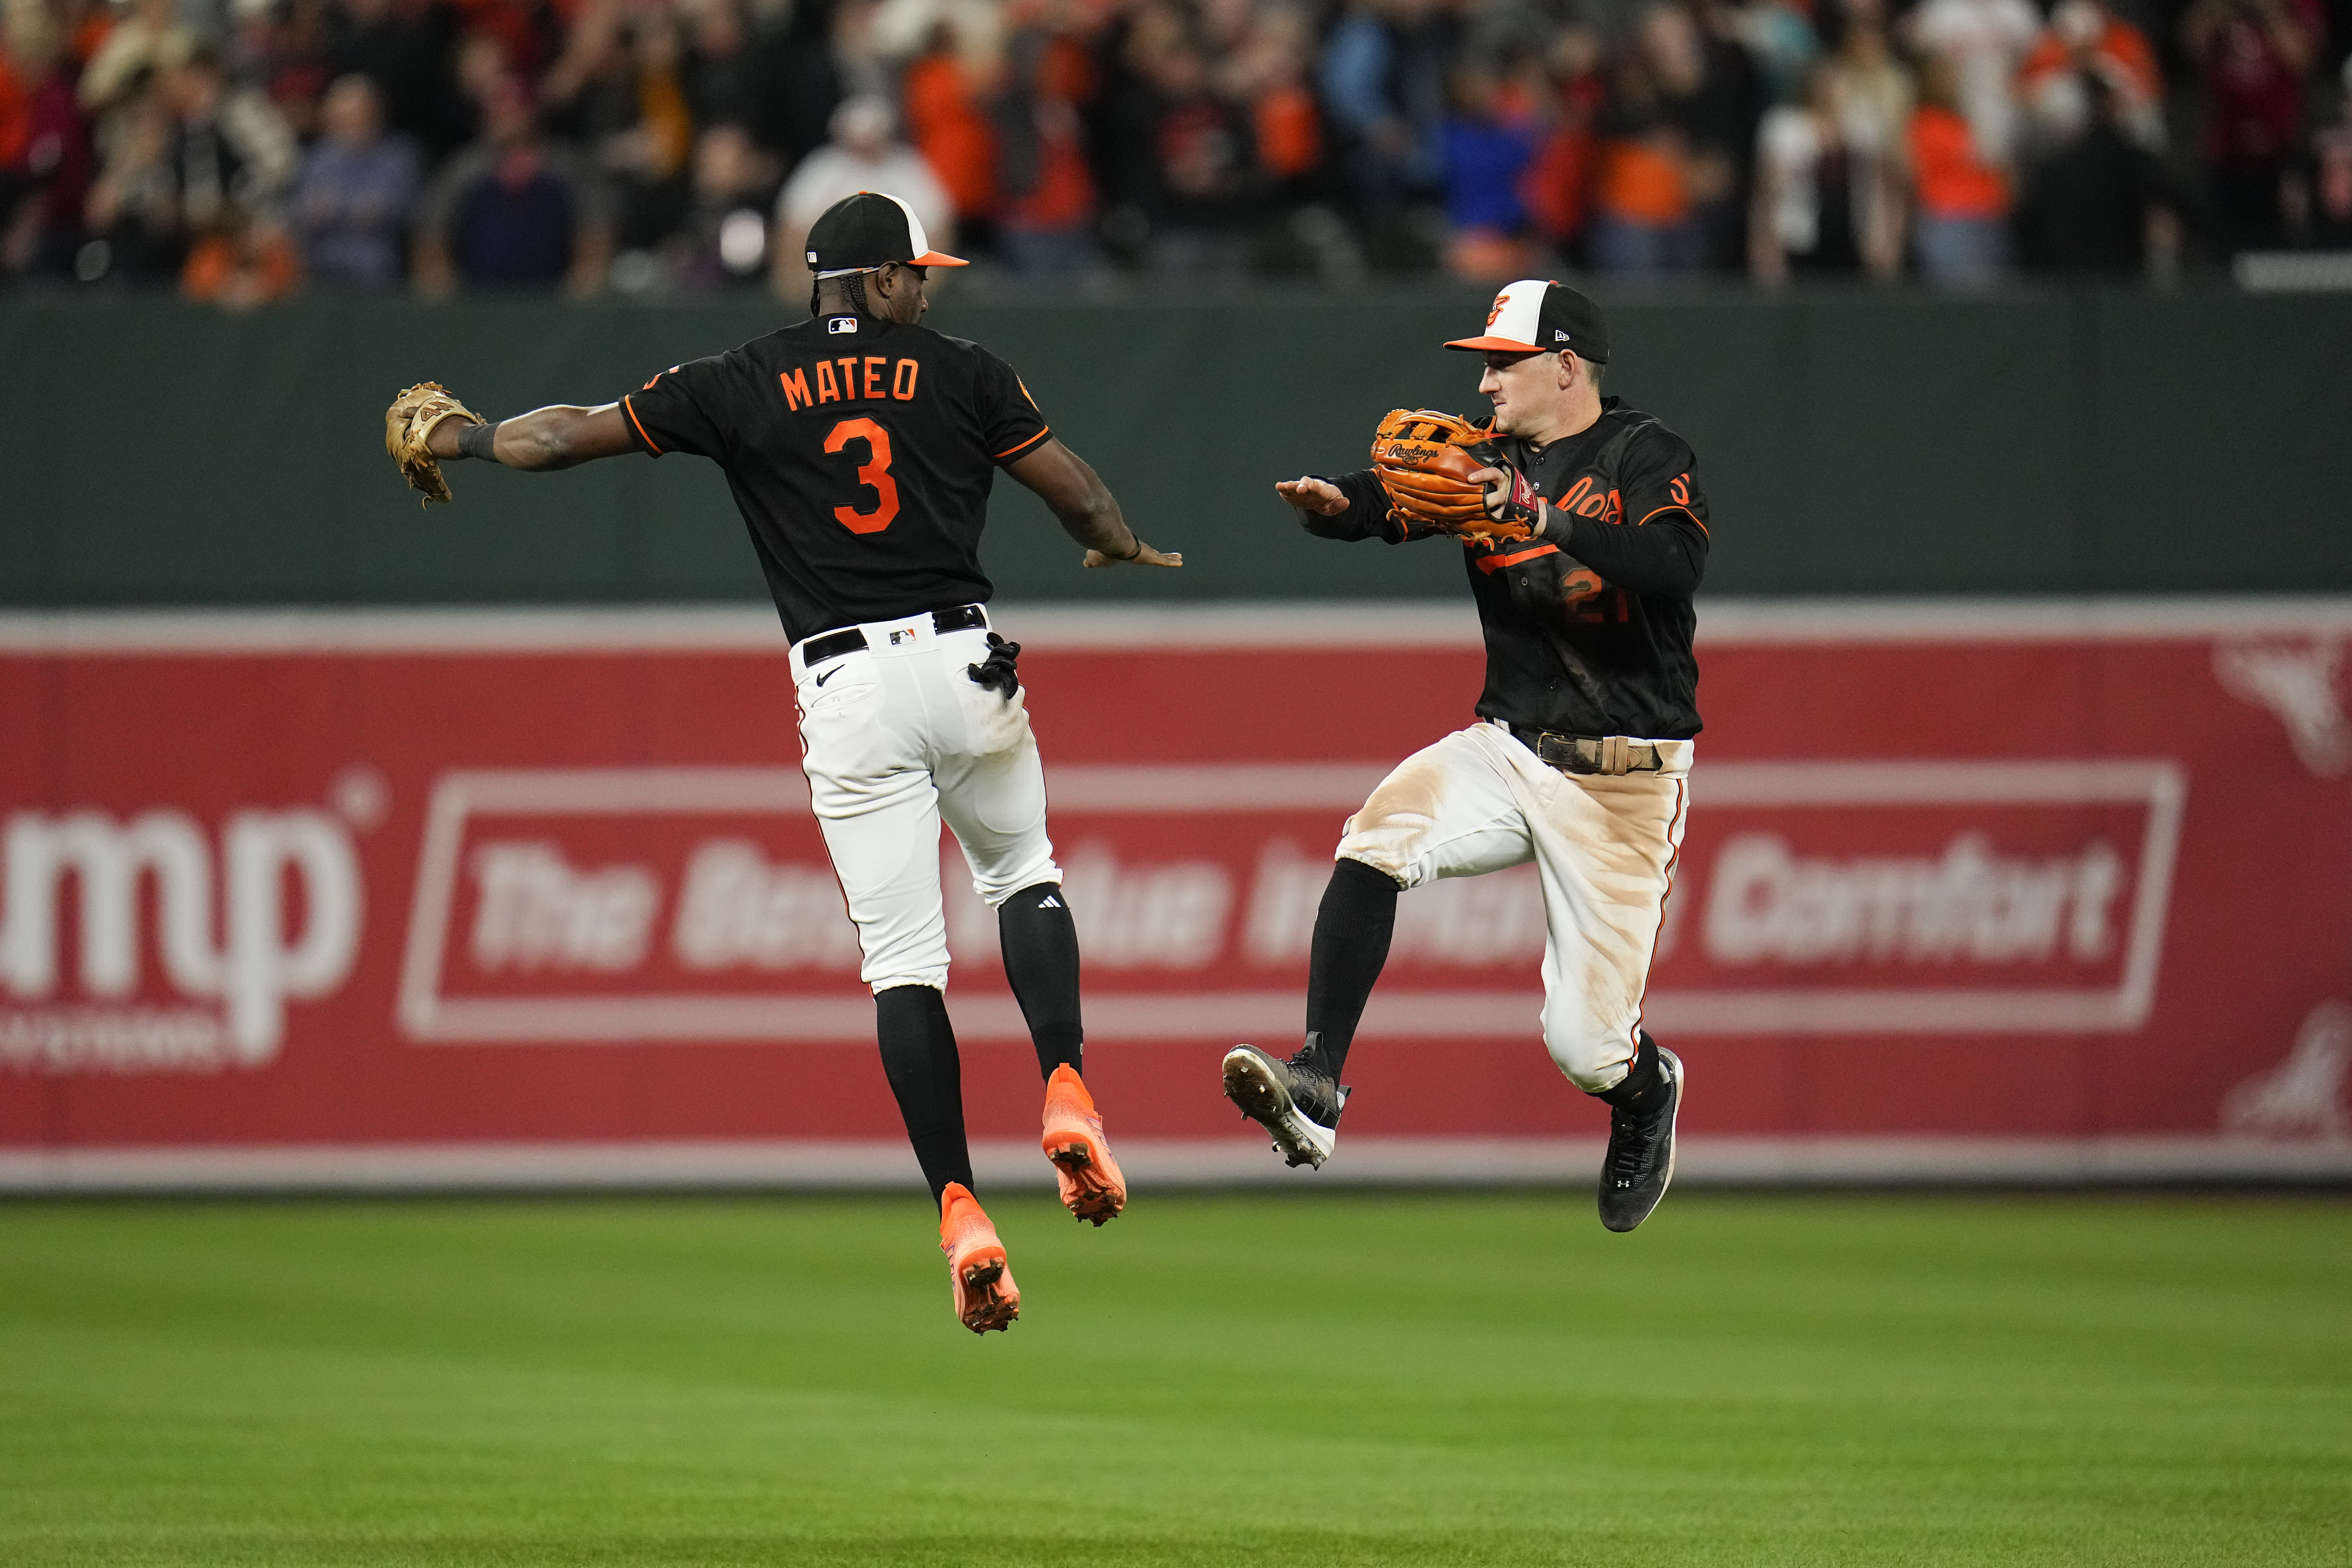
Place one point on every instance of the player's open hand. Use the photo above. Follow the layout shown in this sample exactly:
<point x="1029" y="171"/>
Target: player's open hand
<point x="1309" y="493"/>
<point x="1145" y="556"/>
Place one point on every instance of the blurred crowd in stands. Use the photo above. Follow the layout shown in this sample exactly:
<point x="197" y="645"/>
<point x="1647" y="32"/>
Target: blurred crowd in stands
<point x="239" y="149"/>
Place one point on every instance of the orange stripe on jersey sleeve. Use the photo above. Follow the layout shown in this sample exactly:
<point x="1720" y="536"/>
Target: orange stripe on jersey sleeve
<point x="631" y="409"/>
<point x="1675" y="507"/>
<point x="1031" y="442"/>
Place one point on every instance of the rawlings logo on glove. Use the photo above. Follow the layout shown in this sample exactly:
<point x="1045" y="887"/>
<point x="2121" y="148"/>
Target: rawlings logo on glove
<point x="1425" y="459"/>
<point x="408" y="425"/>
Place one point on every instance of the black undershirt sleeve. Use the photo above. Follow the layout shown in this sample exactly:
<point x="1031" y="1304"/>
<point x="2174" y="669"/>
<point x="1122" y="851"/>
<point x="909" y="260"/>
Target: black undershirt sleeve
<point x="1661" y="558"/>
<point x="1659" y="551"/>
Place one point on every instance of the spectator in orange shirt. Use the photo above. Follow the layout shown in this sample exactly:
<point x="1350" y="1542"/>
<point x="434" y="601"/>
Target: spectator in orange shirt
<point x="1641" y="213"/>
<point x="239" y="264"/>
<point x="1268" y="71"/>
<point x="949" y="95"/>
<point x="1048" y="203"/>
<point x="1961" y="235"/>
<point x="1558" y="185"/>
<point x="2085" y="39"/>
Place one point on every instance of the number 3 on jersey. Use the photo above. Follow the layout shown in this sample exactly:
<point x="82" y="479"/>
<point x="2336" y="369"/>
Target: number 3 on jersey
<point x="875" y="474"/>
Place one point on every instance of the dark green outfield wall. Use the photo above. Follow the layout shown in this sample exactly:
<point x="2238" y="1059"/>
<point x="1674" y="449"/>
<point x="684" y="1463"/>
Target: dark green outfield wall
<point x="1850" y="444"/>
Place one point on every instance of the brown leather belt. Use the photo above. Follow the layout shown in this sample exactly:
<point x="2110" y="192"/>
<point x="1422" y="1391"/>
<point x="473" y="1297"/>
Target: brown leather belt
<point x="832" y="645"/>
<point x="1609" y="754"/>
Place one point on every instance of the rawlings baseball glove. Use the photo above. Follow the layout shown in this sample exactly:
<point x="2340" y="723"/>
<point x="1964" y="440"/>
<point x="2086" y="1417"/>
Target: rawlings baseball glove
<point x="1424" y="461"/>
<point x="408" y="423"/>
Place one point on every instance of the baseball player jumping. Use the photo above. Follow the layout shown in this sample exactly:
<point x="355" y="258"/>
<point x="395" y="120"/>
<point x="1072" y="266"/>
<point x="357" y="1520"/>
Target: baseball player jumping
<point x="1583" y="533"/>
<point x="860" y="447"/>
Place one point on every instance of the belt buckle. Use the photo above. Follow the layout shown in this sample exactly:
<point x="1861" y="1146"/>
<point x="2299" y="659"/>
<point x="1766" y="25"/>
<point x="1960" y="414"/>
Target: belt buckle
<point x="1564" y="752"/>
<point x="1586" y="755"/>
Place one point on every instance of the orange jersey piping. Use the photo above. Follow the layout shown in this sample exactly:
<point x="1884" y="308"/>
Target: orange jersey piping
<point x="1676" y="506"/>
<point x="1493" y="563"/>
<point x="632" y="410"/>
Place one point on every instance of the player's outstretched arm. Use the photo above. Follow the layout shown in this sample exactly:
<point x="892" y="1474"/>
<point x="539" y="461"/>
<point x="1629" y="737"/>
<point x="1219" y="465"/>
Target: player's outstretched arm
<point x="1085" y="506"/>
<point x="1320" y="498"/>
<point x="560" y="435"/>
<point x="1349" y="507"/>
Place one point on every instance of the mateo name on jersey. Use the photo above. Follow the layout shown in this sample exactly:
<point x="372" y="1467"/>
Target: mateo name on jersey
<point x="860" y="380"/>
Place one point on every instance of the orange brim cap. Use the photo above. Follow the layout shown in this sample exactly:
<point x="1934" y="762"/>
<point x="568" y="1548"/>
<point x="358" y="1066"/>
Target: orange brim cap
<point x="1536" y="316"/>
<point x="1495" y="345"/>
<point x="937" y="258"/>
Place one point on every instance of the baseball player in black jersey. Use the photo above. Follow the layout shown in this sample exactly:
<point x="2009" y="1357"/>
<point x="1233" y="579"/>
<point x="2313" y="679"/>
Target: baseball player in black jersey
<point x="1591" y="537"/>
<point x="860" y="447"/>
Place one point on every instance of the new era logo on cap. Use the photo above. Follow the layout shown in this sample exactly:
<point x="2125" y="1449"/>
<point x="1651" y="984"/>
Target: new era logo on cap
<point x="1536" y="316"/>
<point x="870" y="229"/>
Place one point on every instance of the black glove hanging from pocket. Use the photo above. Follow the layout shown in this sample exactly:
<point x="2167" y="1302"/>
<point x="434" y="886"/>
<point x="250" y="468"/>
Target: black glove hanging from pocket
<point x="998" y="672"/>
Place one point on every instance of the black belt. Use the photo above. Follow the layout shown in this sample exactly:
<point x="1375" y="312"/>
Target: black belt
<point x="1589" y="753"/>
<point x="832" y="645"/>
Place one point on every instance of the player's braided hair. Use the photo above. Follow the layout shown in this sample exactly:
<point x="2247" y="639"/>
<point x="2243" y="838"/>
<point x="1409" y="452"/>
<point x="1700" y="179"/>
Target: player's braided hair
<point x="854" y="285"/>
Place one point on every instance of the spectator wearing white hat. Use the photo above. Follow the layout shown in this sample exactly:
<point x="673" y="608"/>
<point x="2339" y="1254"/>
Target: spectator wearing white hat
<point x="864" y="155"/>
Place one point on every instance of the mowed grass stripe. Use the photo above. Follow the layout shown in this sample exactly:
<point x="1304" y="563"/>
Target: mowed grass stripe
<point x="1298" y="1379"/>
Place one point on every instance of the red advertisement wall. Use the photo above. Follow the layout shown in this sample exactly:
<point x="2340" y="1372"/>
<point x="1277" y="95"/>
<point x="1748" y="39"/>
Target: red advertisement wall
<point x="1979" y="890"/>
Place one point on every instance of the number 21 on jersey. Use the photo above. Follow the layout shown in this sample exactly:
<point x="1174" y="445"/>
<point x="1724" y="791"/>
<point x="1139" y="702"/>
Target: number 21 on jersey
<point x="874" y="473"/>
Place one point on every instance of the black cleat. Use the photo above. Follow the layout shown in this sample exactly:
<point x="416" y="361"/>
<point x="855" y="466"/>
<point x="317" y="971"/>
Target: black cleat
<point x="1298" y="1107"/>
<point x="1641" y="1158"/>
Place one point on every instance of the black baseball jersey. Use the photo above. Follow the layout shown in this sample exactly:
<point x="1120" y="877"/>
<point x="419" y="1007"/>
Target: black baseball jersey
<point x="860" y="453"/>
<point x="1589" y="635"/>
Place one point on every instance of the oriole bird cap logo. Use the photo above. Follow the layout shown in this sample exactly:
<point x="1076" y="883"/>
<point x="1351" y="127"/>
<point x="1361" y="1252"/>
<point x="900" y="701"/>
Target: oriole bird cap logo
<point x="1541" y="315"/>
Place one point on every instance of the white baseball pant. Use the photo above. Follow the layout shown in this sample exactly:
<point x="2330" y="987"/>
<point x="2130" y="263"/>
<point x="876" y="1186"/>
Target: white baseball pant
<point x="1604" y="846"/>
<point x="894" y="737"/>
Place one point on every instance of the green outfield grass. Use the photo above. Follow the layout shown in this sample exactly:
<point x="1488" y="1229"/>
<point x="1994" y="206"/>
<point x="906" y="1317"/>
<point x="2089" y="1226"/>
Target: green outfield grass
<point x="1303" y="1380"/>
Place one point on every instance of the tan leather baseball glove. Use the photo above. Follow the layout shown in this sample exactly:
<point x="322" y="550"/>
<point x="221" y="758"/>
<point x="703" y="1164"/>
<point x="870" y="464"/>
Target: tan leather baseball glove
<point x="408" y="423"/>
<point x="1425" y="459"/>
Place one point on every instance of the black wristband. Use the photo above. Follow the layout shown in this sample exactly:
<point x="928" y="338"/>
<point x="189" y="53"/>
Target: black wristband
<point x="1134" y="554"/>
<point x="478" y="441"/>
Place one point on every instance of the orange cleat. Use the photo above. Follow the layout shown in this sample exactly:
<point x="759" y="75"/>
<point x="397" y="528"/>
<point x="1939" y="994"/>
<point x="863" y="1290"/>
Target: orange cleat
<point x="1092" y="1187"/>
<point x="985" y="1296"/>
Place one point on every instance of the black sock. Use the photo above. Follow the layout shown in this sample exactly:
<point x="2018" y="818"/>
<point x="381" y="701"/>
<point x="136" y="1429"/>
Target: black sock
<point x="918" y="1053"/>
<point x="1351" y="942"/>
<point x="1041" y="958"/>
<point x="1641" y="1076"/>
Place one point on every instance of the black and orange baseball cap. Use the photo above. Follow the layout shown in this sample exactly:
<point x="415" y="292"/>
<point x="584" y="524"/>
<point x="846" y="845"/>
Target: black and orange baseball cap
<point x="870" y="229"/>
<point x="1535" y="316"/>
